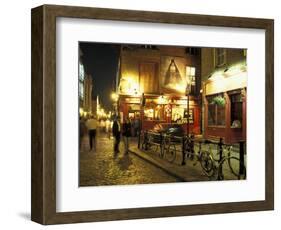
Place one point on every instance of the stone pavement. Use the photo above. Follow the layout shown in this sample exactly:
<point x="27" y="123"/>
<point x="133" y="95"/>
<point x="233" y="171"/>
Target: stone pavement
<point x="185" y="173"/>
<point x="101" y="167"/>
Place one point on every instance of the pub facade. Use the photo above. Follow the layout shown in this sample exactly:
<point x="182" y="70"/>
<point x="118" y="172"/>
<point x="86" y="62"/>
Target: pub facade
<point x="152" y="83"/>
<point x="224" y="96"/>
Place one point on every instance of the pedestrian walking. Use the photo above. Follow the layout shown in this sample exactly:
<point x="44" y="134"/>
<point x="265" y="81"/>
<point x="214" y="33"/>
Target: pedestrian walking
<point x="91" y="125"/>
<point x="127" y="134"/>
<point x="108" y="127"/>
<point x="102" y="125"/>
<point x="116" y="132"/>
<point x="136" y="126"/>
<point x="82" y="129"/>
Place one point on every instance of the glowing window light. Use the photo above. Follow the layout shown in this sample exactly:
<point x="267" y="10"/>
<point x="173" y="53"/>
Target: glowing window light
<point x="129" y="86"/>
<point x="81" y="72"/>
<point x="162" y="100"/>
<point x="216" y="76"/>
<point x="81" y="111"/>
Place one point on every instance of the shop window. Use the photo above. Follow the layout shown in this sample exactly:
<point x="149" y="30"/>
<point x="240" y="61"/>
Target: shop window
<point x="152" y="113"/>
<point x="236" y="110"/>
<point x="216" y="110"/>
<point x="159" y="113"/>
<point x="156" y="114"/>
<point x="153" y="47"/>
<point x="131" y="115"/>
<point x="177" y="114"/>
<point x="149" y="114"/>
<point x="220" y="57"/>
<point x="192" y="51"/>
<point x="190" y="78"/>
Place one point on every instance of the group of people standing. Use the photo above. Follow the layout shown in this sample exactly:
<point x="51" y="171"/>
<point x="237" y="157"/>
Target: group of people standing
<point x="125" y="130"/>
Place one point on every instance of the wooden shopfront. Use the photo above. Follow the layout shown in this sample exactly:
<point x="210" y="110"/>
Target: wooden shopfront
<point x="225" y="100"/>
<point x="157" y="109"/>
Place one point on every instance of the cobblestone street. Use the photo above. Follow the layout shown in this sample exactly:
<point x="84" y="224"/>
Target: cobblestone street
<point x="101" y="167"/>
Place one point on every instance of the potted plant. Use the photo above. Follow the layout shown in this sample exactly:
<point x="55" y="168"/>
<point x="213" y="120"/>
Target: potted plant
<point x="218" y="100"/>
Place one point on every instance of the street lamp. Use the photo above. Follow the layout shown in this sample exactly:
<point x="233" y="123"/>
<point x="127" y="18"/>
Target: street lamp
<point x="114" y="96"/>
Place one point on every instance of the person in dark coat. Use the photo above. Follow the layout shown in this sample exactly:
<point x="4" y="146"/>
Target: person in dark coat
<point x="82" y="129"/>
<point x="116" y="132"/>
<point x="126" y="132"/>
<point x="92" y="125"/>
<point x="136" y="126"/>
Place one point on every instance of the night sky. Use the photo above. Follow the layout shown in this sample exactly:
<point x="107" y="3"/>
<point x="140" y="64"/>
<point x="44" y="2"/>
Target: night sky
<point x="101" y="61"/>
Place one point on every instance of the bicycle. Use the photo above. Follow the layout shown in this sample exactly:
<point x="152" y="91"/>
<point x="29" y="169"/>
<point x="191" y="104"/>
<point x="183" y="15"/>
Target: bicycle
<point x="226" y="162"/>
<point x="166" y="144"/>
<point x="150" y="141"/>
<point x="170" y="147"/>
<point x="202" y="156"/>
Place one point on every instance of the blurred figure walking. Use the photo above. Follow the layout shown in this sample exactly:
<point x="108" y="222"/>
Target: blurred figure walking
<point x="82" y="129"/>
<point x="116" y="132"/>
<point x="127" y="133"/>
<point x="91" y="125"/>
<point x="136" y="126"/>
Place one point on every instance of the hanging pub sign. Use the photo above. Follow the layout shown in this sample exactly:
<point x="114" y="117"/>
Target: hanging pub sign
<point x="173" y="72"/>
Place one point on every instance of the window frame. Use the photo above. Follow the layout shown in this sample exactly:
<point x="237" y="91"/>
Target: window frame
<point x="216" y="112"/>
<point x="230" y="95"/>
<point x="191" y="78"/>
<point x="217" y="55"/>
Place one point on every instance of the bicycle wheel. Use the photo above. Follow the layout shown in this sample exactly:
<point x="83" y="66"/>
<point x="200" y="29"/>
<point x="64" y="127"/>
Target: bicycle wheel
<point x="207" y="163"/>
<point x="231" y="169"/>
<point x="171" y="153"/>
<point x="234" y="166"/>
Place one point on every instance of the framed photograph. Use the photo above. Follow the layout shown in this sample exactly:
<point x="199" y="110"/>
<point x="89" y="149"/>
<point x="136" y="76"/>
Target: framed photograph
<point x="139" y="114"/>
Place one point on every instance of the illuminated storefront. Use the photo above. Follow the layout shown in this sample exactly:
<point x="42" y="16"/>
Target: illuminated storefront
<point x="152" y="112"/>
<point x="152" y="84"/>
<point x="225" y="97"/>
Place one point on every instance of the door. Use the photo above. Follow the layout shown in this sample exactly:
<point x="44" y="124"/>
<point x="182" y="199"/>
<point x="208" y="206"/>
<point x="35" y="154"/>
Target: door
<point x="149" y="82"/>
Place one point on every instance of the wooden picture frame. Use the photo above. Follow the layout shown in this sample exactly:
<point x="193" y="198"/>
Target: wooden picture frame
<point x="43" y="208"/>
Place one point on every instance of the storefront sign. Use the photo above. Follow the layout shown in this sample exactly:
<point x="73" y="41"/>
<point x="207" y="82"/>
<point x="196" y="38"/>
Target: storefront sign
<point x="134" y="107"/>
<point x="134" y="100"/>
<point x="191" y="116"/>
